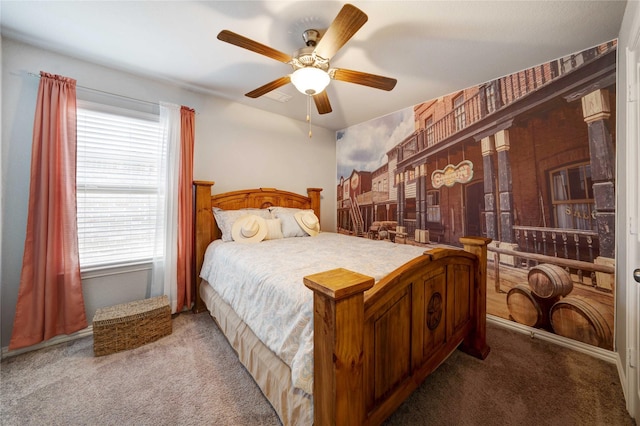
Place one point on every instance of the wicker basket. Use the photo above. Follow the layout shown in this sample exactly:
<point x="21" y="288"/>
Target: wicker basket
<point x="129" y="325"/>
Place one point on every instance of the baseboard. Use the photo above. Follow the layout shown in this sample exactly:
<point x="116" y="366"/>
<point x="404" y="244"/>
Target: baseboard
<point x="623" y="377"/>
<point x="6" y="353"/>
<point x="534" y="333"/>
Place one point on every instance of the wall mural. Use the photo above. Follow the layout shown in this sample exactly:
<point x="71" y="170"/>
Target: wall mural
<point x="527" y="160"/>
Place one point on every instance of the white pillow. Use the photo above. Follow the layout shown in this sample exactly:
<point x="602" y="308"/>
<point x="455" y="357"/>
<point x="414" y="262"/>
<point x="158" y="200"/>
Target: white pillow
<point x="274" y="229"/>
<point x="290" y="226"/>
<point x="226" y="218"/>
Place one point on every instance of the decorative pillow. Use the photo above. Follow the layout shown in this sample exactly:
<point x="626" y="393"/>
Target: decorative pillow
<point x="226" y="218"/>
<point x="274" y="229"/>
<point x="290" y="226"/>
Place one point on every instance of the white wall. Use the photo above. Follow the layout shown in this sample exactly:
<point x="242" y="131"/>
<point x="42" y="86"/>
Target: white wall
<point x="236" y="146"/>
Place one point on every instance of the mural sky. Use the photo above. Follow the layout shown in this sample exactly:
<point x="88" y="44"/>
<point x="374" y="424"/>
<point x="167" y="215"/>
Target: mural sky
<point x="358" y="147"/>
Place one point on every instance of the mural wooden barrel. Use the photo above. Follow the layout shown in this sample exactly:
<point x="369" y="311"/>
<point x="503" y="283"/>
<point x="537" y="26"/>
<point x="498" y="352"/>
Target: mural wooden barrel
<point x="583" y="319"/>
<point x="549" y="281"/>
<point x="527" y="308"/>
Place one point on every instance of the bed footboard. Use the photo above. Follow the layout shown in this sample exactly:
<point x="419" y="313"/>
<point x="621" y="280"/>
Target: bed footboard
<point x="374" y="345"/>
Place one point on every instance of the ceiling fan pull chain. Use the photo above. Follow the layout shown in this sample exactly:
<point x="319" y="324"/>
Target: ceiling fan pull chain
<point x="309" y="114"/>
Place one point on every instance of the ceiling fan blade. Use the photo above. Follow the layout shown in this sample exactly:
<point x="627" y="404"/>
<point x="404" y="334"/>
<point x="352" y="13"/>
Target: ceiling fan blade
<point x="346" y="24"/>
<point x="254" y="46"/>
<point x="269" y="87"/>
<point x="371" y="80"/>
<point x="322" y="102"/>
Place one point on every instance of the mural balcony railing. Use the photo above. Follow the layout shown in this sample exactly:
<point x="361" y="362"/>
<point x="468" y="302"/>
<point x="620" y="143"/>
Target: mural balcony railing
<point x="365" y="198"/>
<point x="575" y="244"/>
<point x="583" y="273"/>
<point x="460" y="118"/>
<point x="380" y="196"/>
<point x="372" y="197"/>
<point x="506" y="90"/>
<point x="410" y="225"/>
<point x="572" y="249"/>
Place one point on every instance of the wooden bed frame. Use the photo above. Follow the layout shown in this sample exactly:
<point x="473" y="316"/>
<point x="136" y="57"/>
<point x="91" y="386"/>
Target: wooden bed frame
<point x="373" y="344"/>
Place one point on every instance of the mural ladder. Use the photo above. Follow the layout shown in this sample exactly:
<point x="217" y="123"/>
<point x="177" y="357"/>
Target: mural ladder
<point x="356" y="217"/>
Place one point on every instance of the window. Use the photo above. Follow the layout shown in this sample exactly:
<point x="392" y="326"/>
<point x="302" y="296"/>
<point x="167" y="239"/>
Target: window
<point x="572" y="197"/>
<point x="433" y="206"/>
<point x="118" y="167"/>
<point x="458" y="112"/>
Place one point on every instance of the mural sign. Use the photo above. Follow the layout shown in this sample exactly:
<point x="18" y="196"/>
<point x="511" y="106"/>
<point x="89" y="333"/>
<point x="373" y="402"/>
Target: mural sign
<point x="462" y="173"/>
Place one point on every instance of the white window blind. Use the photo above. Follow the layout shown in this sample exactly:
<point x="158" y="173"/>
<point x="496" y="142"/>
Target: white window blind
<point x="118" y="165"/>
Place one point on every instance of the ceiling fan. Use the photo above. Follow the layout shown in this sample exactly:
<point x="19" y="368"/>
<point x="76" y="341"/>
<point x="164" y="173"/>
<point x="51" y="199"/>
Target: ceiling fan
<point x="311" y="69"/>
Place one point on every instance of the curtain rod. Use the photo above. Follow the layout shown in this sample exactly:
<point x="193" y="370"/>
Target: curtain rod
<point x="104" y="92"/>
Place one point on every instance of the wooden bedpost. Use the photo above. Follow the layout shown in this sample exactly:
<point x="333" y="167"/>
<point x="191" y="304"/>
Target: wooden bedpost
<point x="475" y="343"/>
<point x="338" y="389"/>
<point x="314" y="195"/>
<point x="203" y="234"/>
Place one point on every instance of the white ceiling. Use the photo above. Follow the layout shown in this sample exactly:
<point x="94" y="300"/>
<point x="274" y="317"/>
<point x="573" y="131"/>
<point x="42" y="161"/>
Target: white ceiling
<point x="431" y="47"/>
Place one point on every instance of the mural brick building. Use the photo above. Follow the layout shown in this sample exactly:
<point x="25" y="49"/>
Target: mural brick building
<point x="527" y="160"/>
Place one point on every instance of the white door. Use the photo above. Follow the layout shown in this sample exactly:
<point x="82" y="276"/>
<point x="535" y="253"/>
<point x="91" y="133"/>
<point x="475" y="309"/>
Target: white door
<point x="632" y="231"/>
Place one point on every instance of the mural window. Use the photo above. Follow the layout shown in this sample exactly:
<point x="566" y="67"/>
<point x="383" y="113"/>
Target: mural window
<point x="428" y="125"/>
<point x="572" y="197"/>
<point x="433" y="206"/>
<point x="458" y="112"/>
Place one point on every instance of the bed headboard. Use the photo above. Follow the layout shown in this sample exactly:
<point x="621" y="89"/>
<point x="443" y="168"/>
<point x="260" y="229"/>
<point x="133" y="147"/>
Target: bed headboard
<point x="206" y="230"/>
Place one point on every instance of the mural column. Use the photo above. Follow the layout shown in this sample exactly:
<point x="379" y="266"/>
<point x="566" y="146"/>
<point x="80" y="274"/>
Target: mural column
<point x="596" y="112"/>
<point x="400" y="201"/>
<point x="505" y="191"/>
<point x="400" y="188"/>
<point x="421" y="197"/>
<point x="488" y="151"/>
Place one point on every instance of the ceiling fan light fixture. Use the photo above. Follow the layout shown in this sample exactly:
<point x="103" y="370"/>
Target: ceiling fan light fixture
<point x="310" y="80"/>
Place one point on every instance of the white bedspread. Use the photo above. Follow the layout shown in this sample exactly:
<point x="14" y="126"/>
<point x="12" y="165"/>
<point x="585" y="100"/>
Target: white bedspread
<point x="263" y="283"/>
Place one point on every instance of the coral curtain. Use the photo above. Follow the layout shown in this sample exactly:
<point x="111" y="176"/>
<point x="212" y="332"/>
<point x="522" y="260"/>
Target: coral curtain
<point x="50" y="300"/>
<point x="185" y="208"/>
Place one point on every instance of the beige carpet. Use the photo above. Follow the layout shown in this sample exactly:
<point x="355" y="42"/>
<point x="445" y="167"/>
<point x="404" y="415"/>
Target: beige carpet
<point x="193" y="377"/>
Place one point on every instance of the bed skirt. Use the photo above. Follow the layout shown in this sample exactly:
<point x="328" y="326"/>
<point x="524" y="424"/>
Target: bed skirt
<point x="273" y="376"/>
